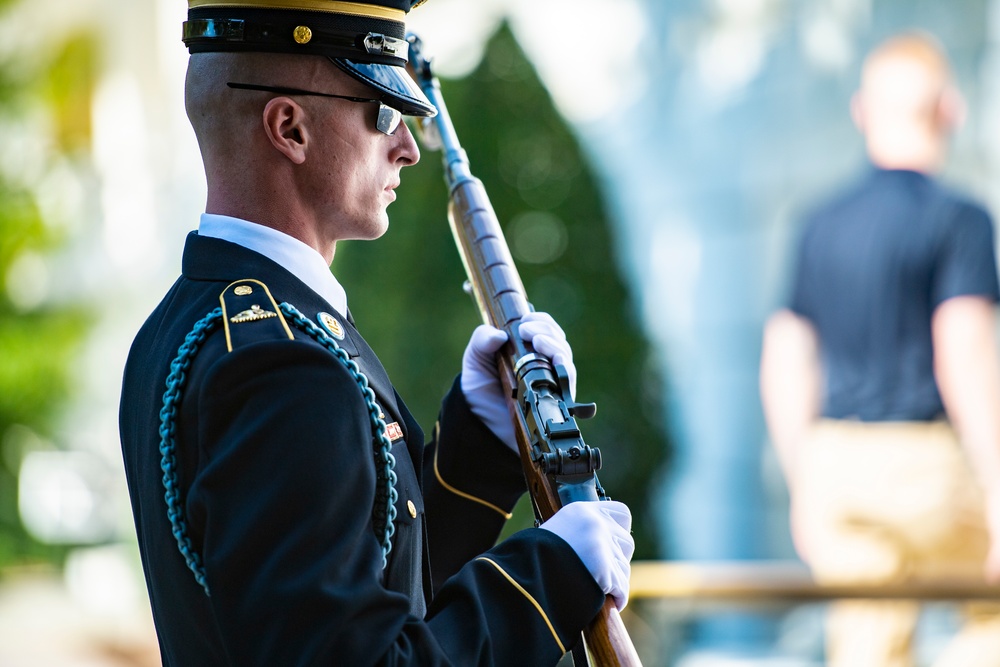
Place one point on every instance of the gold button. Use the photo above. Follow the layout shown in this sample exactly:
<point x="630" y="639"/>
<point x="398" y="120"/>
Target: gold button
<point x="413" y="508"/>
<point x="302" y="34"/>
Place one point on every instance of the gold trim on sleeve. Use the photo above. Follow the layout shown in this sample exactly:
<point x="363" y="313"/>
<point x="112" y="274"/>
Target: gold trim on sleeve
<point x="332" y="6"/>
<point x="463" y="494"/>
<point x="532" y="600"/>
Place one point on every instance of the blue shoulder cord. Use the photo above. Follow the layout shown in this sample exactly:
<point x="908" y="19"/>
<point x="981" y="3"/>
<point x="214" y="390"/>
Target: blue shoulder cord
<point x="384" y="511"/>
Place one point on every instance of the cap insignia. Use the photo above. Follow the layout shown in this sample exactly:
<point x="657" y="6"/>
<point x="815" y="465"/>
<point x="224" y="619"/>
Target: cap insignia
<point x="302" y="34"/>
<point x="243" y="290"/>
<point x="252" y="314"/>
<point x="332" y="325"/>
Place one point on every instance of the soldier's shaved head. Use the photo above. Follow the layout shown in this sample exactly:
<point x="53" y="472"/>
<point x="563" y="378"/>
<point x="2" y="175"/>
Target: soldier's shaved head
<point x="314" y="168"/>
<point x="219" y="117"/>
<point x="243" y="169"/>
<point x="227" y="120"/>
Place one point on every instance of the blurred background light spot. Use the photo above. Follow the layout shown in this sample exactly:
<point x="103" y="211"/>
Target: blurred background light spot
<point x="59" y="497"/>
<point x="60" y="196"/>
<point x="103" y="579"/>
<point x="584" y="89"/>
<point x="538" y="237"/>
<point x="826" y="43"/>
<point x="454" y="32"/>
<point x="587" y="86"/>
<point x="24" y="149"/>
<point x="524" y="162"/>
<point x="121" y="157"/>
<point x="744" y="10"/>
<point x="675" y="253"/>
<point x="728" y="59"/>
<point x="555" y="294"/>
<point x="27" y="281"/>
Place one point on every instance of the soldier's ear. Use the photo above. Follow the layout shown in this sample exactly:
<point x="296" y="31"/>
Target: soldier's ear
<point x="284" y="124"/>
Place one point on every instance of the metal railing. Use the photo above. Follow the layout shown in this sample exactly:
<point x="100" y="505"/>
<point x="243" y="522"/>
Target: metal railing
<point x="786" y="581"/>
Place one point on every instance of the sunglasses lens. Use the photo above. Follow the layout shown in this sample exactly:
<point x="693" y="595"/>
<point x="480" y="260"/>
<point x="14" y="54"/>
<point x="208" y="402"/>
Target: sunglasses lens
<point x="388" y="119"/>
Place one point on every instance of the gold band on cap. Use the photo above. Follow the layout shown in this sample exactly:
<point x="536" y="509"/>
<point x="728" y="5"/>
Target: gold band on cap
<point x="331" y="6"/>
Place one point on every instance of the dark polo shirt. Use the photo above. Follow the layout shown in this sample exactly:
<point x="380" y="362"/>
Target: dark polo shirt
<point x="873" y="265"/>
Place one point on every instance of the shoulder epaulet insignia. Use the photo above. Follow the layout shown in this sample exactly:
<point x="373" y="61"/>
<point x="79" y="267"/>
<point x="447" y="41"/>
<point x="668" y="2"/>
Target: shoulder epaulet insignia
<point x="252" y="314"/>
<point x="249" y="300"/>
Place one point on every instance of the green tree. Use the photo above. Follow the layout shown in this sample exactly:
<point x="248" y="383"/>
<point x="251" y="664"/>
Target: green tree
<point x="405" y="289"/>
<point x="39" y="337"/>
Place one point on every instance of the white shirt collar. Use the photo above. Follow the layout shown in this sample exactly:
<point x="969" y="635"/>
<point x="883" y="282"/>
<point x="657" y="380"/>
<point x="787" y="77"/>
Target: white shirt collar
<point x="298" y="258"/>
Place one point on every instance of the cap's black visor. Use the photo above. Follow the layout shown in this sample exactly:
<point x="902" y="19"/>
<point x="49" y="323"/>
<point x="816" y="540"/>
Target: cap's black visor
<point x="398" y="90"/>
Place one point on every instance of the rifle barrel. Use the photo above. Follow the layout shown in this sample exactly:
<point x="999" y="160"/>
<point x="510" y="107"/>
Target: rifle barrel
<point x="538" y="395"/>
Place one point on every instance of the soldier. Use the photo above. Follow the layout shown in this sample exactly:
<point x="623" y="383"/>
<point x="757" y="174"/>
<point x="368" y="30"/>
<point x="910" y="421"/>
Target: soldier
<point x="286" y="514"/>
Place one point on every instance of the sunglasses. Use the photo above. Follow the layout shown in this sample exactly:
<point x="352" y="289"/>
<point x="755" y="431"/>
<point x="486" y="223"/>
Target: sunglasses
<point x="388" y="118"/>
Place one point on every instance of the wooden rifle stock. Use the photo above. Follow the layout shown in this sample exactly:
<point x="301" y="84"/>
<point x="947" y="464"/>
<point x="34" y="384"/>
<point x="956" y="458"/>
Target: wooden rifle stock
<point x="558" y="465"/>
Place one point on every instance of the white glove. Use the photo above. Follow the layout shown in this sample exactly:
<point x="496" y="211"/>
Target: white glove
<point x="549" y="340"/>
<point x="599" y="532"/>
<point x="480" y="380"/>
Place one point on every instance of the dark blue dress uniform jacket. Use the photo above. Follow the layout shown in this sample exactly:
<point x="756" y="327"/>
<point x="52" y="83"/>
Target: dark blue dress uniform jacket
<point x="277" y="473"/>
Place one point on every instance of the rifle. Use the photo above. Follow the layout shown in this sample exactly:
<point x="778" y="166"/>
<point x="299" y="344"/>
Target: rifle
<point x="559" y="466"/>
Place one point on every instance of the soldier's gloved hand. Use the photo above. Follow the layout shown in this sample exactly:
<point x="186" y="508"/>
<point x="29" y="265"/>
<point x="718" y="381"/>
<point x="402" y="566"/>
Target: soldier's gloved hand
<point x="599" y="532"/>
<point x="480" y="380"/>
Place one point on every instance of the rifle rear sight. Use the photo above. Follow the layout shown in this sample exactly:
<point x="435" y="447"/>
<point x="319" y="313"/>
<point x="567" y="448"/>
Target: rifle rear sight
<point x="576" y="460"/>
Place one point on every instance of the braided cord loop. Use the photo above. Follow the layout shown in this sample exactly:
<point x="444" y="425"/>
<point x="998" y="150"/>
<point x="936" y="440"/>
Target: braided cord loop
<point x="176" y="380"/>
<point x="384" y="511"/>
<point x="386" y="495"/>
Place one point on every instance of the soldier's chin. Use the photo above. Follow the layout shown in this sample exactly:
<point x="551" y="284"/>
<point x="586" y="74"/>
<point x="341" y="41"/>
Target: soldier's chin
<point x="383" y="224"/>
<point x="376" y="229"/>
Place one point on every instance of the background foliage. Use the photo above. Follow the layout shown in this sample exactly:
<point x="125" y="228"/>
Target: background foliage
<point x="406" y="289"/>
<point x="50" y="97"/>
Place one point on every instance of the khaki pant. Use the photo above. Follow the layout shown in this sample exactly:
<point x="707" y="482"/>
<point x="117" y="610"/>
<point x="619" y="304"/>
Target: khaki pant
<point x="888" y="503"/>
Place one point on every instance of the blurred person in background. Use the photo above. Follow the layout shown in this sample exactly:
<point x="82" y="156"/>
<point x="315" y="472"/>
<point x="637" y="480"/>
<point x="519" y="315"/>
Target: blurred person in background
<point x="287" y="509"/>
<point x="880" y="382"/>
